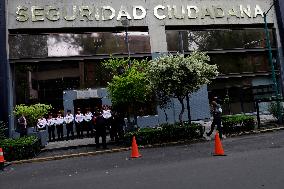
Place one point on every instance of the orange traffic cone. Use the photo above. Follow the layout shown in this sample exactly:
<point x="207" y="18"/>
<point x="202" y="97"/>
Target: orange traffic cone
<point x="135" y="152"/>
<point x="2" y="160"/>
<point x="219" y="151"/>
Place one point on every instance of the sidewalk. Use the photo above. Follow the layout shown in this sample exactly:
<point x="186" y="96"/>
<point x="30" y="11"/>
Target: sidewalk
<point x="74" y="146"/>
<point x="88" y="144"/>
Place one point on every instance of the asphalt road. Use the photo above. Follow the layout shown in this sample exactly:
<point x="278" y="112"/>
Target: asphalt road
<point x="254" y="161"/>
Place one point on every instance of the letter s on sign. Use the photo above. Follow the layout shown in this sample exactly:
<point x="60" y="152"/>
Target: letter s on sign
<point x="22" y="14"/>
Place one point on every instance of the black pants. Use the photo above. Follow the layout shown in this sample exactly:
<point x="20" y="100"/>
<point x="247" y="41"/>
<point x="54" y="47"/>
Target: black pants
<point x="23" y="131"/>
<point x="216" y="121"/>
<point x="79" y="129"/>
<point x="69" y="128"/>
<point x="51" y="132"/>
<point x="59" y="129"/>
<point x="100" y="133"/>
<point x="89" y="127"/>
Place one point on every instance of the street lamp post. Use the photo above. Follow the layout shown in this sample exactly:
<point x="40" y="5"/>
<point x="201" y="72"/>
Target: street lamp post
<point x="268" y="45"/>
<point x="125" y="23"/>
<point x="271" y="62"/>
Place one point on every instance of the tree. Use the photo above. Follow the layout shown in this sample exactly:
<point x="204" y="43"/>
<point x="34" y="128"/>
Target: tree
<point x="178" y="76"/>
<point x="129" y="85"/>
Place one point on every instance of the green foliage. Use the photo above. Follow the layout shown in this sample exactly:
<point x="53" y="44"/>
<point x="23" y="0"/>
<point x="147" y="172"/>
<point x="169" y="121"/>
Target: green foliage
<point x="178" y="76"/>
<point x="237" y="123"/>
<point x="165" y="133"/>
<point x="131" y="87"/>
<point x="273" y="109"/>
<point x="3" y="130"/>
<point x="21" y="148"/>
<point x="32" y="112"/>
<point x="114" y="64"/>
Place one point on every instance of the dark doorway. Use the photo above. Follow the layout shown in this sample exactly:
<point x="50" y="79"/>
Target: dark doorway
<point x="92" y="103"/>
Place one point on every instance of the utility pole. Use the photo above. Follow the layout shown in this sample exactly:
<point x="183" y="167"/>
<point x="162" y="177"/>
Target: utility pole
<point x="125" y="23"/>
<point x="181" y="47"/>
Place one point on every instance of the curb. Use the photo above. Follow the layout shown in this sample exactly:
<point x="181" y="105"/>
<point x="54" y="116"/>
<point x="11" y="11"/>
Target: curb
<point x="257" y="131"/>
<point x="60" y="157"/>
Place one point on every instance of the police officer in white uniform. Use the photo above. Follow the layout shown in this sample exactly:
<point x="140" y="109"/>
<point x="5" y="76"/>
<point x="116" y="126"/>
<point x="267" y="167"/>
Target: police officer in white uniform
<point x="51" y="127"/>
<point x="79" y="118"/>
<point x="41" y="123"/>
<point x="59" y="126"/>
<point x="69" y="119"/>
<point x="88" y="122"/>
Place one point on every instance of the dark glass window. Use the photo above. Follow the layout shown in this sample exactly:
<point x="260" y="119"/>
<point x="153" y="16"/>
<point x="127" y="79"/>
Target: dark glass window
<point x="70" y="44"/>
<point x="27" y="46"/>
<point x="45" y="83"/>
<point x="240" y="62"/>
<point x="224" y="39"/>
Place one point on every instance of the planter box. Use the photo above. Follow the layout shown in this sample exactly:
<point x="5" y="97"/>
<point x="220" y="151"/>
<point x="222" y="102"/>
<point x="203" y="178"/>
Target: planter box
<point x="42" y="135"/>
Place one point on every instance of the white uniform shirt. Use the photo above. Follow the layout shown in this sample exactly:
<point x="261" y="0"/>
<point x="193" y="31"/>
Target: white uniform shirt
<point x="69" y="118"/>
<point x="50" y="122"/>
<point x="79" y="118"/>
<point x="106" y="114"/>
<point x="41" y="123"/>
<point x="59" y="120"/>
<point x="88" y="116"/>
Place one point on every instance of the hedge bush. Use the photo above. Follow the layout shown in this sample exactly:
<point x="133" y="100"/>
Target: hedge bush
<point x="237" y="123"/>
<point x="3" y="130"/>
<point x="21" y="148"/>
<point x="165" y="133"/>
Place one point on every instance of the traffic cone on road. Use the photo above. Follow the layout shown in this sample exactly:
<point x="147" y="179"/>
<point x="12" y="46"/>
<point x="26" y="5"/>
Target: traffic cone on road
<point x="219" y="151"/>
<point x="2" y="160"/>
<point x="134" y="150"/>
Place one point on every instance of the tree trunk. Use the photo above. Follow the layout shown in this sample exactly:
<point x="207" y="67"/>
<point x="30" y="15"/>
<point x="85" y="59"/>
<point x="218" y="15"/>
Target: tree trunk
<point x="166" y="115"/>
<point x="188" y="109"/>
<point x="134" y="114"/>
<point x="182" y="110"/>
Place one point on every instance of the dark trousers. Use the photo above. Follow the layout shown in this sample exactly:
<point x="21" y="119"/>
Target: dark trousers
<point x="51" y="132"/>
<point x="59" y="129"/>
<point x="100" y="133"/>
<point x="79" y="129"/>
<point x="89" y="127"/>
<point x="69" y="128"/>
<point x="23" y="131"/>
<point x="216" y="121"/>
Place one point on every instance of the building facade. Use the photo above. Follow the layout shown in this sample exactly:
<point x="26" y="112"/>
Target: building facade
<point x="56" y="49"/>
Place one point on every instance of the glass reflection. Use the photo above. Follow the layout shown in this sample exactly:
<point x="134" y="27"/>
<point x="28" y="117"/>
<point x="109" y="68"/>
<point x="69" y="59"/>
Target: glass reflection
<point x="217" y="39"/>
<point x="85" y="44"/>
<point x="240" y="63"/>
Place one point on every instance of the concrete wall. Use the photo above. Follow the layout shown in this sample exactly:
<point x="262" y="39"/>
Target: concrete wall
<point x="199" y="106"/>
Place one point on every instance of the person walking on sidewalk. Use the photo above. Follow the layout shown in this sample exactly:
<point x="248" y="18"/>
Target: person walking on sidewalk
<point x="69" y="118"/>
<point x="217" y="113"/>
